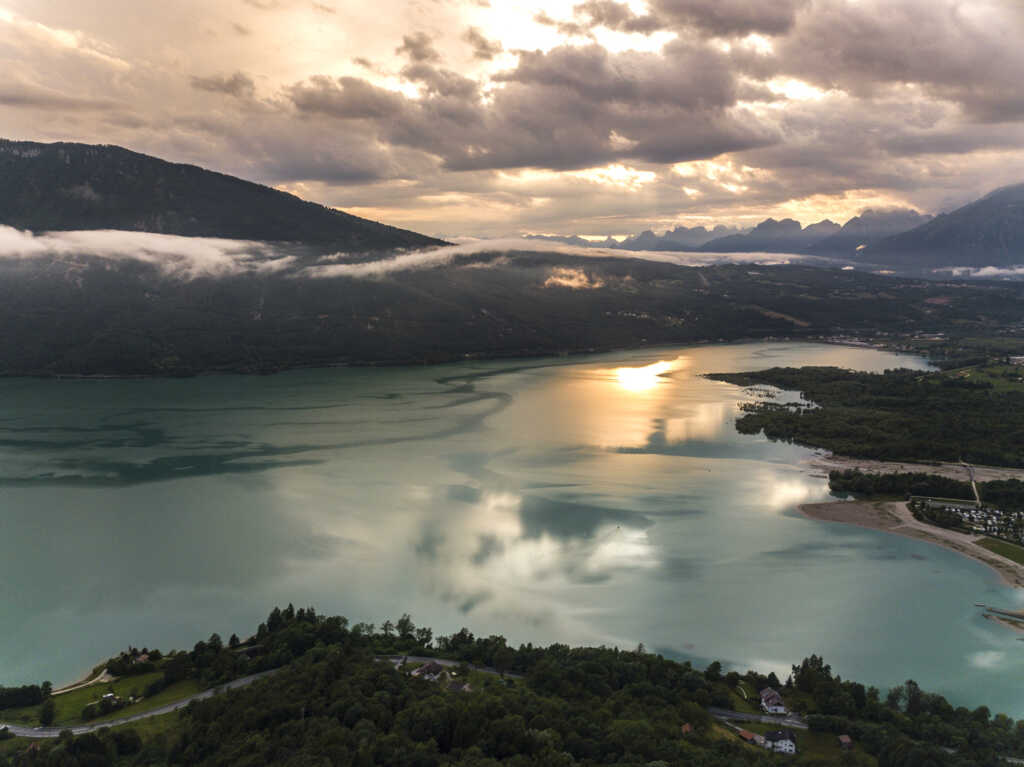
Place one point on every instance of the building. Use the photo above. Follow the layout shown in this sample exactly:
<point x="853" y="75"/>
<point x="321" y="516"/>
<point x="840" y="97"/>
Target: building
<point x="431" y="671"/>
<point x="771" y="701"/>
<point x="753" y="738"/>
<point x="781" y="741"/>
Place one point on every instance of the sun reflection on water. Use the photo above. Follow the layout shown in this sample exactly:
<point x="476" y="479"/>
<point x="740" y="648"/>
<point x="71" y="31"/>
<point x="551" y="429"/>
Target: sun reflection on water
<point x="643" y="378"/>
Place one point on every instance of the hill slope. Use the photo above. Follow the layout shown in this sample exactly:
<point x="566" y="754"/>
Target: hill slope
<point x="45" y="187"/>
<point x="987" y="232"/>
<point x="91" y="315"/>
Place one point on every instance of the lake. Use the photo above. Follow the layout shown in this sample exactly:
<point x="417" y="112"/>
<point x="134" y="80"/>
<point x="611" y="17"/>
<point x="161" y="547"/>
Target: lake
<point x="592" y="500"/>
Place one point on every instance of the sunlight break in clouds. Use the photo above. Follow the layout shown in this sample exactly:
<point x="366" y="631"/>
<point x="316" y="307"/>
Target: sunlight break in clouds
<point x="576" y="279"/>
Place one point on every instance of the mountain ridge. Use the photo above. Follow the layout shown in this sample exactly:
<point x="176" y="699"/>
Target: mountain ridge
<point x="986" y="232"/>
<point x="73" y="186"/>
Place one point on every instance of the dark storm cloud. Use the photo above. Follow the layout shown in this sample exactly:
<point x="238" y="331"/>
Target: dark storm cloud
<point x="617" y="16"/>
<point x="953" y="141"/>
<point x="730" y="17"/>
<point x="239" y="84"/>
<point x="419" y="47"/>
<point x="28" y="97"/>
<point x="570" y="28"/>
<point x="719" y="18"/>
<point x="572" y="107"/>
<point x="442" y="82"/>
<point x="348" y="98"/>
<point x="482" y="47"/>
<point x="863" y="48"/>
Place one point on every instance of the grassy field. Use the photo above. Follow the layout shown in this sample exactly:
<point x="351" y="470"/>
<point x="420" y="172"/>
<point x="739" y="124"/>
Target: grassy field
<point x="9" y="747"/>
<point x="69" y="705"/>
<point x="175" y="692"/>
<point x="1002" y="377"/>
<point x="820" y="744"/>
<point x="739" y="704"/>
<point x="147" y="729"/>
<point x="1003" y="549"/>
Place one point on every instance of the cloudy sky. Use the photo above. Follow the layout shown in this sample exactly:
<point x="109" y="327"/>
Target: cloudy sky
<point x="496" y="117"/>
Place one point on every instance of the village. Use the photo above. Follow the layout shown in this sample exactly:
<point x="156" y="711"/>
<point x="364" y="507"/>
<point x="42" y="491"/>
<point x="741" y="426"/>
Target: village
<point x="970" y="516"/>
<point x="780" y="740"/>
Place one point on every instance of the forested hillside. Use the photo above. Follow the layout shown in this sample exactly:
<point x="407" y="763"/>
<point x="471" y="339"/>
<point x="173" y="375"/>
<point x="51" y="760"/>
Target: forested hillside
<point x="898" y="415"/>
<point x="92" y="316"/>
<point x="339" y="700"/>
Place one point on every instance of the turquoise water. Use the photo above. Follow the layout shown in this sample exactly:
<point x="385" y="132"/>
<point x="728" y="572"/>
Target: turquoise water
<point x="598" y="500"/>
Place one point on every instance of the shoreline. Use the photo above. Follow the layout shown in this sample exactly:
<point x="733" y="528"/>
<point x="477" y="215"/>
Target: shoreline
<point x="895" y="517"/>
<point x="830" y="462"/>
<point x="1011" y="624"/>
<point x="452" y="358"/>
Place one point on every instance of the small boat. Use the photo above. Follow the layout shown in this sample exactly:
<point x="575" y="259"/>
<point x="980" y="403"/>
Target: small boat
<point x="979" y="604"/>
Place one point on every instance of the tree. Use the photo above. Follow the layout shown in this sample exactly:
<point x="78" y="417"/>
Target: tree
<point x="913" y="696"/>
<point x="424" y="636"/>
<point x="47" y="712"/>
<point x="233" y="641"/>
<point x="405" y="626"/>
<point x="895" y="698"/>
<point x="714" y="671"/>
<point x="275" y="621"/>
<point x="387" y="628"/>
<point x="46" y="688"/>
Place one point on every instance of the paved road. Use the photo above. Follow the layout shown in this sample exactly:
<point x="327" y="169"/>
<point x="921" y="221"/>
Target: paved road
<point x="53" y="732"/>
<point x="790" y="720"/>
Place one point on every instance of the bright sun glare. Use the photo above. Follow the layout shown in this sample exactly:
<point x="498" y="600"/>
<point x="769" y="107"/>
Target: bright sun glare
<point x="641" y="379"/>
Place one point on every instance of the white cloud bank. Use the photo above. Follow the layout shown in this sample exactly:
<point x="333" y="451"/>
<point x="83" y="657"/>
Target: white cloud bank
<point x="428" y="259"/>
<point x="181" y="257"/>
<point x="984" y="272"/>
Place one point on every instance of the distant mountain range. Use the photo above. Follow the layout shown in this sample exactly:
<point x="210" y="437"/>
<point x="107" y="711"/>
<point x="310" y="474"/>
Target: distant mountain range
<point x="824" y="238"/>
<point x="987" y="232"/>
<point x="679" y="239"/>
<point x="46" y="187"/>
<point x="771" y="236"/>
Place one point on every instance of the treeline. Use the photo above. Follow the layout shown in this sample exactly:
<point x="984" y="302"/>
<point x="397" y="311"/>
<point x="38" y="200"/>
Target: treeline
<point x="907" y="726"/>
<point x="134" y="662"/>
<point x="890" y="416"/>
<point x="1003" y="494"/>
<point x="903" y="484"/>
<point x="27" y="695"/>
<point x="338" y="702"/>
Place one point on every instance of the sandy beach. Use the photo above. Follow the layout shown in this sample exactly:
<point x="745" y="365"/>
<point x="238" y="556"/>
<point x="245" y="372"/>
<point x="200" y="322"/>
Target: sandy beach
<point x="895" y="517"/>
<point x="827" y="463"/>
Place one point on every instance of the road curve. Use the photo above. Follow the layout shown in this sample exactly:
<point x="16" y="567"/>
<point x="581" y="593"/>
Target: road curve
<point x="790" y="720"/>
<point x="53" y="732"/>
